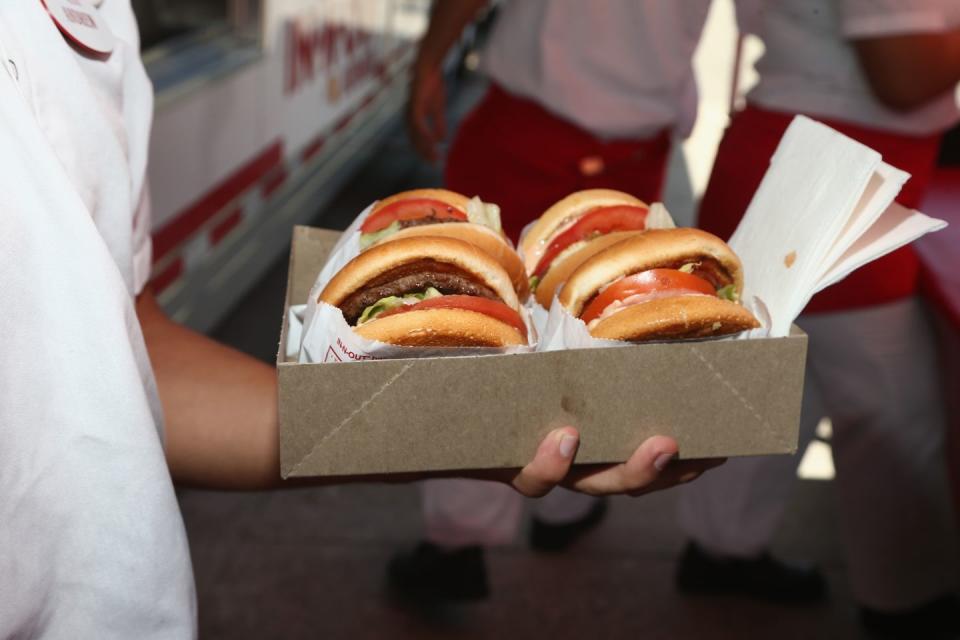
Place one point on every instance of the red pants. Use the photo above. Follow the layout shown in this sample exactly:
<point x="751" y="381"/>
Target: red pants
<point x="513" y="152"/>
<point x="743" y="158"/>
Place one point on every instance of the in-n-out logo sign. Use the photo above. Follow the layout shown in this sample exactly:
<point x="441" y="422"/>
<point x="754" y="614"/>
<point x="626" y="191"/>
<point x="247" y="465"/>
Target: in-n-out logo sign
<point x="343" y="54"/>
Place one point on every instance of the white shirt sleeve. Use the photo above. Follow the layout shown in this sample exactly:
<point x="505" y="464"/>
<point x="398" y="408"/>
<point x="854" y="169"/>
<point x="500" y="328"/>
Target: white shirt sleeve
<point x="872" y="18"/>
<point x="91" y="541"/>
<point x="142" y="242"/>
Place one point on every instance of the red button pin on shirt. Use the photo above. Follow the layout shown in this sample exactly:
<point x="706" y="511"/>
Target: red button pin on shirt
<point x="81" y="23"/>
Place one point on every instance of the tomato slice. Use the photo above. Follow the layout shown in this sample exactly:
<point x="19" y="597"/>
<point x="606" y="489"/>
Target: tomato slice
<point x="410" y="209"/>
<point x="600" y="221"/>
<point x="493" y="308"/>
<point x="652" y="281"/>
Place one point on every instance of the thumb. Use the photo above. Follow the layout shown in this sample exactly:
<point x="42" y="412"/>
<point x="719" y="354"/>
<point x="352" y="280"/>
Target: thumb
<point x="551" y="463"/>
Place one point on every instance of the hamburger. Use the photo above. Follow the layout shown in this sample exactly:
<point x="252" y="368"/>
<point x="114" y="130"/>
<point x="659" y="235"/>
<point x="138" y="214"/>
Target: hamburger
<point x="660" y="284"/>
<point x="439" y="212"/>
<point x="569" y="232"/>
<point x="428" y="292"/>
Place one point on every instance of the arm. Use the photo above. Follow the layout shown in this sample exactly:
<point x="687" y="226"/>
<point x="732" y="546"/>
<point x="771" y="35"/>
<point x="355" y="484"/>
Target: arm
<point x="907" y="71"/>
<point x="220" y="406"/>
<point x="222" y="429"/>
<point x="426" y="119"/>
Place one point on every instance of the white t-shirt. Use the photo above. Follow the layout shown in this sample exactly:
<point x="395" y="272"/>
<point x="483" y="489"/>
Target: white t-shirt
<point x="92" y="544"/>
<point x="617" y="68"/>
<point x="809" y="65"/>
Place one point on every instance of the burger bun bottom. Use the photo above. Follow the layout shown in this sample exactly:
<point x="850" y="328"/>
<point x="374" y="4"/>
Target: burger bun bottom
<point x="441" y="328"/>
<point x="677" y="317"/>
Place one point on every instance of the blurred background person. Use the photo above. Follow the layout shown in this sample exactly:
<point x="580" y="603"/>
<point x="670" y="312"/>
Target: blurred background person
<point x="883" y="73"/>
<point x="581" y="95"/>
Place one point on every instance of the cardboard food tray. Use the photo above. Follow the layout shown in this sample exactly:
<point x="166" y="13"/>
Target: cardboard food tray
<point x="717" y="398"/>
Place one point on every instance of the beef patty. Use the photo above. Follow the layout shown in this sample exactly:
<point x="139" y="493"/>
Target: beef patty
<point x="413" y="278"/>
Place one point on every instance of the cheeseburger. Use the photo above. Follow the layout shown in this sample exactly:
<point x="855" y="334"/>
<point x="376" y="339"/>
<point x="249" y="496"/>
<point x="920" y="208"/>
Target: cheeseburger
<point x="660" y="284"/>
<point x="439" y="212"/>
<point x="428" y="292"/>
<point x="572" y="230"/>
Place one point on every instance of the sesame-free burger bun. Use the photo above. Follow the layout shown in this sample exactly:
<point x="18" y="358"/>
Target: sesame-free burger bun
<point x="685" y="316"/>
<point x="480" y="236"/>
<point x="441" y="328"/>
<point x="405" y="254"/>
<point x="562" y="267"/>
<point x="564" y="213"/>
<point x="652" y="249"/>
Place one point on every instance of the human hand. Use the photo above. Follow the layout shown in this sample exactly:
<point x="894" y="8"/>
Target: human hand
<point x="652" y="467"/>
<point x="426" y="110"/>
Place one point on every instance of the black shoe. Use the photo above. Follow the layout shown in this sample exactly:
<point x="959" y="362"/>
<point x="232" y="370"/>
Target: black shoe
<point x="938" y="619"/>
<point x="430" y="573"/>
<point x="763" y="577"/>
<point x="553" y="538"/>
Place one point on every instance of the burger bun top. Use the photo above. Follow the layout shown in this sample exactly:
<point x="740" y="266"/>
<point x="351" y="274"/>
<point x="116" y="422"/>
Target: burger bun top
<point x="462" y="255"/>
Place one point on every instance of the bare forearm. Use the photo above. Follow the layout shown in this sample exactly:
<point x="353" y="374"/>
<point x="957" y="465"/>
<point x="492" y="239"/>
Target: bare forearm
<point x="906" y="72"/>
<point x="220" y="407"/>
<point x="447" y="22"/>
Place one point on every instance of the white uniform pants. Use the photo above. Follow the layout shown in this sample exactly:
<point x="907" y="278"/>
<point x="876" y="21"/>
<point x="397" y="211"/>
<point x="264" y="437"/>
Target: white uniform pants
<point x="874" y="372"/>
<point x="459" y="513"/>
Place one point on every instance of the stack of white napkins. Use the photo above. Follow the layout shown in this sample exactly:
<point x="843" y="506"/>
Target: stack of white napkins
<point x="824" y="209"/>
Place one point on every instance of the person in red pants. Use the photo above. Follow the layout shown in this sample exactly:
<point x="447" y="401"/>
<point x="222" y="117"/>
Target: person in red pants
<point x="882" y="74"/>
<point x="545" y="158"/>
<point x="581" y="95"/>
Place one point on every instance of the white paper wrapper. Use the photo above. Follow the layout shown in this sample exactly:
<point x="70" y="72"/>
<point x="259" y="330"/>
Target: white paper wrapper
<point x="318" y="332"/>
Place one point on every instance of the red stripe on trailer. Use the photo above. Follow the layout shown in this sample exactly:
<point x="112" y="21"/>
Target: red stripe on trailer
<point x="225" y="226"/>
<point x="274" y="181"/>
<point x="312" y="149"/>
<point x="168" y="276"/>
<point x="369" y="99"/>
<point x="186" y="223"/>
<point x="344" y="121"/>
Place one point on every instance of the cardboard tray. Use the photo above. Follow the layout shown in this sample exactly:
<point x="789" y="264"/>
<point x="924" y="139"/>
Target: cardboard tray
<point x="717" y="398"/>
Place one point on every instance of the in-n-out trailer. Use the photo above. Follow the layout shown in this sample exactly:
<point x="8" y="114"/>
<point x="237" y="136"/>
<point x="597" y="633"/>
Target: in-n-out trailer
<point x="264" y="109"/>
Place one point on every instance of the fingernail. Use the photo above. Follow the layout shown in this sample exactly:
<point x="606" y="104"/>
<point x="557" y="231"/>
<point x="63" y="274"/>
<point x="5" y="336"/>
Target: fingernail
<point x="568" y="445"/>
<point x="662" y="461"/>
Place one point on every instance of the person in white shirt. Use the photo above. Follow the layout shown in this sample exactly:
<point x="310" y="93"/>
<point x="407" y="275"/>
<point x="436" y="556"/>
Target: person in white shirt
<point x="582" y="95"/>
<point x="102" y="398"/>
<point x="882" y="72"/>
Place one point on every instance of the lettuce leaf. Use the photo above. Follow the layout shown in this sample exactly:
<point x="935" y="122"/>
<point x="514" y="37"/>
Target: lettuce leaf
<point x="369" y="239"/>
<point x="728" y="292"/>
<point x="485" y="213"/>
<point x="392" y="302"/>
